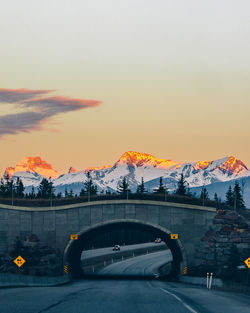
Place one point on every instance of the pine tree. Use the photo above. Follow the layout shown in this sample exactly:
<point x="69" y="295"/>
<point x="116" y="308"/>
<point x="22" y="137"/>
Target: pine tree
<point x="238" y="201"/>
<point x="89" y="187"/>
<point x="122" y="188"/>
<point x="71" y="194"/>
<point x="230" y="197"/>
<point x="9" y="188"/>
<point x="2" y="188"/>
<point x="161" y="189"/>
<point x="181" y="189"/>
<point x="216" y="199"/>
<point x="141" y="187"/>
<point x="32" y="194"/>
<point x="59" y="195"/>
<point x="19" y="188"/>
<point x="66" y="194"/>
<point x="204" y="194"/>
<point x="82" y="192"/>
<point x="45" y="189"/>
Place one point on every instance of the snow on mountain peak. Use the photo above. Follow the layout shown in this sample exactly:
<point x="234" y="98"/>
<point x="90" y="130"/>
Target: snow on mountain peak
<point x="201" y="165"/>
<point x="33" y="165"/>
<point x="233" y="166"/>
<point x="139" y="159"/>
<point x="97" y="168"/>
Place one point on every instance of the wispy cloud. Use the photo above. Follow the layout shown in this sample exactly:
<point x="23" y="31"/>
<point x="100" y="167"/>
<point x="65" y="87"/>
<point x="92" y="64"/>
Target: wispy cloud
<point x="19" y="95"/>
<point x="37" y="109"/>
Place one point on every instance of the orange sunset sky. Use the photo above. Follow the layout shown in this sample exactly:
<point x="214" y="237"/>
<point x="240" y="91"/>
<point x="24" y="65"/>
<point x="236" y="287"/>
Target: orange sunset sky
<point x="81" y="82"/>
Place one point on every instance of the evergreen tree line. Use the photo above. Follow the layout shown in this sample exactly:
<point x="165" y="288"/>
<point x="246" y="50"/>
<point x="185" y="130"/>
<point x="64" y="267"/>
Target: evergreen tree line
<point x="9" y="188"/>
<point x="234" y="196"/>
<point x="46" y="190"/>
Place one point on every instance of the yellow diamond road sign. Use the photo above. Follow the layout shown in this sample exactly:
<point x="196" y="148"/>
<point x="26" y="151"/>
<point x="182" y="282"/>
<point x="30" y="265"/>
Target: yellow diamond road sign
<point x="247" y="261"/>
<point x="19" y="261"/>
<point x="73" y="236"/>
<point x="174" y="236"/>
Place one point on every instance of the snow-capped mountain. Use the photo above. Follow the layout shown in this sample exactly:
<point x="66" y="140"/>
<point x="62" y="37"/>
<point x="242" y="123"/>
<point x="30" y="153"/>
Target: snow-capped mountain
<point x="132" y="165"/>
<point x="31" y="170"/>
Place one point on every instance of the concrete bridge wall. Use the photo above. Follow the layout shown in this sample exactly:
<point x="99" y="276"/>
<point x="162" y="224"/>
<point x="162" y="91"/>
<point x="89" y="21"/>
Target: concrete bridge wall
<point x="55" y="225"/>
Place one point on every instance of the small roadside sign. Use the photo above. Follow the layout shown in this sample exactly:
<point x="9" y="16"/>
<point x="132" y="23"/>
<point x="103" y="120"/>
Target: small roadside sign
<point x="19" y="261"/>
<point x="247" y="261"/>
<point x="174" y="236"/>
<point x="73" y="236"/>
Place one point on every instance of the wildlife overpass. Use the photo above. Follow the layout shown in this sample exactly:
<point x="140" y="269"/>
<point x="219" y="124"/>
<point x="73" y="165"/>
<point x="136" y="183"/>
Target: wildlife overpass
<point x="104" y="223"/>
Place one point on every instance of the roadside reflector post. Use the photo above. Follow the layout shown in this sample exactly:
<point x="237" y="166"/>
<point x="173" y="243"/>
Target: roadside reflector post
<point x="211" y="278"/>
<point x="93" y="269"/>
<point x="207" y="280"/>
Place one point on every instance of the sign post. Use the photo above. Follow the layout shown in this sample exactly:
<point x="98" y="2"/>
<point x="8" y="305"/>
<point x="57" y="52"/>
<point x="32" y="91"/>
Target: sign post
<point x="73" y="236"/>
<point x="174" y="236"/>
<point x="19" y="261"/>
<point x="247" y="262"/>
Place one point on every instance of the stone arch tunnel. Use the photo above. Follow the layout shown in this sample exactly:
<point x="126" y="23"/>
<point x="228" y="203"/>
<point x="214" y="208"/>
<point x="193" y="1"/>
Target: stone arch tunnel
<point x="54" y="225"/>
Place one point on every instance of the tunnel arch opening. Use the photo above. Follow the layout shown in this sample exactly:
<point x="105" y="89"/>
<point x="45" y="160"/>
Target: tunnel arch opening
<point x="127" y="229"/>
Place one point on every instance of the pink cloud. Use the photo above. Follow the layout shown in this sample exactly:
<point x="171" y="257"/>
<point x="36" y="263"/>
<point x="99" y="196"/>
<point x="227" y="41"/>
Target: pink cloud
<point x="43" y="109"/>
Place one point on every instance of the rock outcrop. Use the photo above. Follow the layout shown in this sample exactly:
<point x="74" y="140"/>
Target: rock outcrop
<point x="225" y="245"/>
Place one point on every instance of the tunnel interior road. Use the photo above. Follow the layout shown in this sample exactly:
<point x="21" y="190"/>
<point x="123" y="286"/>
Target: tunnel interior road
<point x="120" y="232"/>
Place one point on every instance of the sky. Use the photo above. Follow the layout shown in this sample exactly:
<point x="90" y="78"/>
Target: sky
<point x="83" y="81"/>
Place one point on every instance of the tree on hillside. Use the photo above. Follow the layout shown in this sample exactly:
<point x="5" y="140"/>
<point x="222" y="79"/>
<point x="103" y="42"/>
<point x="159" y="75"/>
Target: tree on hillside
<point x="230" y="197"/>
<point x="160" y="189"/>
<point x="82" y="192"/>
<point x="89" y="188"/>
<point x="204" y="194"/>
<point x="2" y="188"/>
<point x="32" y="193"/>
<point x="66" y="194"/>
<point x="238" y="200"/>
<point x="181" y="189"/>
<point x="59" y="195"/>
<point x="123" y="187"/>
<point x="19" y="188"/>
<point x="216" y="199"/>
<point x="46" y="189"/>
<point x="9" y="188"/>
<point x="141" y="187"/>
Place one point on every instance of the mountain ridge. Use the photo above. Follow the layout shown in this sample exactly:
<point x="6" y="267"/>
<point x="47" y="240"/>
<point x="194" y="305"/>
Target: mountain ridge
<point x="133" y="165"/>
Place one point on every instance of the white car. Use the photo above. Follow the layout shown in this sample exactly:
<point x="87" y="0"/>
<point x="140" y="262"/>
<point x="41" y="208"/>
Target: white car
<point x="158" y="240"/>
<point x="116" y="248"/>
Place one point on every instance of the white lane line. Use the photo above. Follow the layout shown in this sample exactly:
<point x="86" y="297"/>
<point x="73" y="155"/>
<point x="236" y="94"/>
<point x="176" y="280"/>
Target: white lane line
<point x="179" y="299"/>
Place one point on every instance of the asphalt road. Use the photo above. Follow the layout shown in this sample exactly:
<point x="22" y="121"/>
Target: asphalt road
<point x="144" y="265"/>
<point x="122" y="295"/>
<point x="102" y="251"/>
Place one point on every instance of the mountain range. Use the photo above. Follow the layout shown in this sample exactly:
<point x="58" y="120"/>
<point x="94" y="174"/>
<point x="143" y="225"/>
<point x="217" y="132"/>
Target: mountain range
<point x="135" y="165"/>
